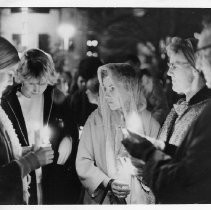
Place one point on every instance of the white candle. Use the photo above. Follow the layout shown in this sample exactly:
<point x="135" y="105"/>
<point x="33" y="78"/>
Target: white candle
<point x="134" y="123"/>
<point x="45" y="135"/>
<point x="37" y="135"/>
<point x="80" y="131"/>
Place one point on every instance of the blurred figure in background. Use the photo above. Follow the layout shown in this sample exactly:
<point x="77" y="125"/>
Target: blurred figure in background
<point x="64" y="82"/>
<point x="92" y="90"/>
<point x="78" y="102"/>
<point x="78" y="83"/>
<point x="156" y="99"/>
<point x="34" y="104"/>
<point x="134" y="61"/>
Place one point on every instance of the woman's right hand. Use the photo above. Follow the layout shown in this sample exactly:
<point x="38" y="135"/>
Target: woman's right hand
<point x="44" y="155"/>
<point x="120" y="189"/>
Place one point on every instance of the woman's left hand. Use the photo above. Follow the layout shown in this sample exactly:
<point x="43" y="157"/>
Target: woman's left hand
<point x="64" y="150"/>
<point x="120" y="189"/>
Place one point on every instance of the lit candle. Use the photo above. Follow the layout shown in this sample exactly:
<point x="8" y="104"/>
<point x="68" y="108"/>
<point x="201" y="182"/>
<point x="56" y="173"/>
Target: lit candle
<point x="37" y="136"/>
<point x="135" y="125"/>
<point x="80" y="131"/>
<point x="45" y="136"/>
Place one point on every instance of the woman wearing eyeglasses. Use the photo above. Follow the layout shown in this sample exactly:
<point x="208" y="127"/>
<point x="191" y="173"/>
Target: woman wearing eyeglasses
<point x="188" y="81"/>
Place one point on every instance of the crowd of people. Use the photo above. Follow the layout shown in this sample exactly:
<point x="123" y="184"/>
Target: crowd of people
<point x="109" y="135"/>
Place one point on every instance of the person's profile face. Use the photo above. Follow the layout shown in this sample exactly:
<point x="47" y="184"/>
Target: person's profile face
<point x="81" y="82"/>
<point x="62" y="85"/>
<point x="34" y="86"/>
<point x="111" y="94"/>
<point x="181" y="72"/>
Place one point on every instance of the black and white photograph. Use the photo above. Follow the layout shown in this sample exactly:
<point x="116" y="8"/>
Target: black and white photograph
<point x="105" y="104"/>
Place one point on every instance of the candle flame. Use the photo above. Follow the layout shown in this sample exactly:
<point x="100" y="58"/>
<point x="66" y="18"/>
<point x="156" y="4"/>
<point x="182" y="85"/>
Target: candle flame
<point x="134" y="123"/>
<point x="45" y="134"/>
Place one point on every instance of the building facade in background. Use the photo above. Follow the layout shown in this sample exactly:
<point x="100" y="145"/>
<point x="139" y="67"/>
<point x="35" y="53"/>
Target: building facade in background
<point x="38" y="28"/>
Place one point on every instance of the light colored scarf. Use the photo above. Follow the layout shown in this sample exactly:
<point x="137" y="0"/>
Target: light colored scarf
<point x="119" y="165"/>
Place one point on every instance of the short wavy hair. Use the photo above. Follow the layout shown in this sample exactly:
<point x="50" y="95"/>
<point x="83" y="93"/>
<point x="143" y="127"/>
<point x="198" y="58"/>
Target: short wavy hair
<point x="186" y="46"/>
<point x="36" y="63"/>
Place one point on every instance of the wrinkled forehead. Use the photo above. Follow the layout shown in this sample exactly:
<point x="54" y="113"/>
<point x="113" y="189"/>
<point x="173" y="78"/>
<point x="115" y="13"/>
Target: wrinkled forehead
<point x="177" y="57"/>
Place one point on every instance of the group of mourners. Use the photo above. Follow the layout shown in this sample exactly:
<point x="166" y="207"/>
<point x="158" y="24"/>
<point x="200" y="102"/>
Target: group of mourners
<point x="127" y="153"/>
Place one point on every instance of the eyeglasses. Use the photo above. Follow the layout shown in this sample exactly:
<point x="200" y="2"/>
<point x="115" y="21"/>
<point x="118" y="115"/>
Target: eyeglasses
<point x="203" y="48"/>
<point x="177" y="65"/>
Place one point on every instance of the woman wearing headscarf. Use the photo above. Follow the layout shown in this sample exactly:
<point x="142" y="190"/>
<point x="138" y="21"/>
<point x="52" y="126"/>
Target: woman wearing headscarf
<point x="102" y="163"/>
<point x="15" y="162"/>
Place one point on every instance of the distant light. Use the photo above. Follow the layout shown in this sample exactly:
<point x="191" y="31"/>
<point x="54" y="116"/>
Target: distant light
<point x="24" y="9"/>
<point x="95" y="54"/>
<point x="89" y="53"/>
<point x="94" y="43"/>
<point x="89" y="43"/>
<point x="66" y="31"/>
<point x="138" y="12"/>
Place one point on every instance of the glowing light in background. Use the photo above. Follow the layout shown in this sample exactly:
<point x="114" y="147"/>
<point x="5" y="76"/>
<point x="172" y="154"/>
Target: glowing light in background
<point x="66" y="31"/>
<point x="94" y="43"/>
<point x="89" y="43"/>
<point x="89" y="53"/>
<point x="95" y="54"/>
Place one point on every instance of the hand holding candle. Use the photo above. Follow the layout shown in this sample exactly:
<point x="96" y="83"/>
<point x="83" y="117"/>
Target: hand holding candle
<point x="137" y="146"/>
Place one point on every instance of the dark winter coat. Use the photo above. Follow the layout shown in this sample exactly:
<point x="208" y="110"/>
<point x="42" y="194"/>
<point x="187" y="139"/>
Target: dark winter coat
<point x="184" y="178"/>
<point x="80" y="106"/>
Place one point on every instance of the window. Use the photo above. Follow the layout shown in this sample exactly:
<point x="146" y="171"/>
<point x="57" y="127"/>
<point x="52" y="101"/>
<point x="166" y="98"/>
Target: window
<point x="16" y="38"/>
<point x="44" y="42"/>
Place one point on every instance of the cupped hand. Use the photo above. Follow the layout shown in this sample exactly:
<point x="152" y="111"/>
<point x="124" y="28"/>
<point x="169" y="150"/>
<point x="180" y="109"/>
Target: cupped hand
<point x="120" y="189"/>
<point x="44" y="155"/>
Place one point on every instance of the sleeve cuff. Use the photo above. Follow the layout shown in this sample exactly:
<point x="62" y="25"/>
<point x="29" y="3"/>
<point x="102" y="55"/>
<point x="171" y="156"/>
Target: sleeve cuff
<point x="105" y="181"/>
